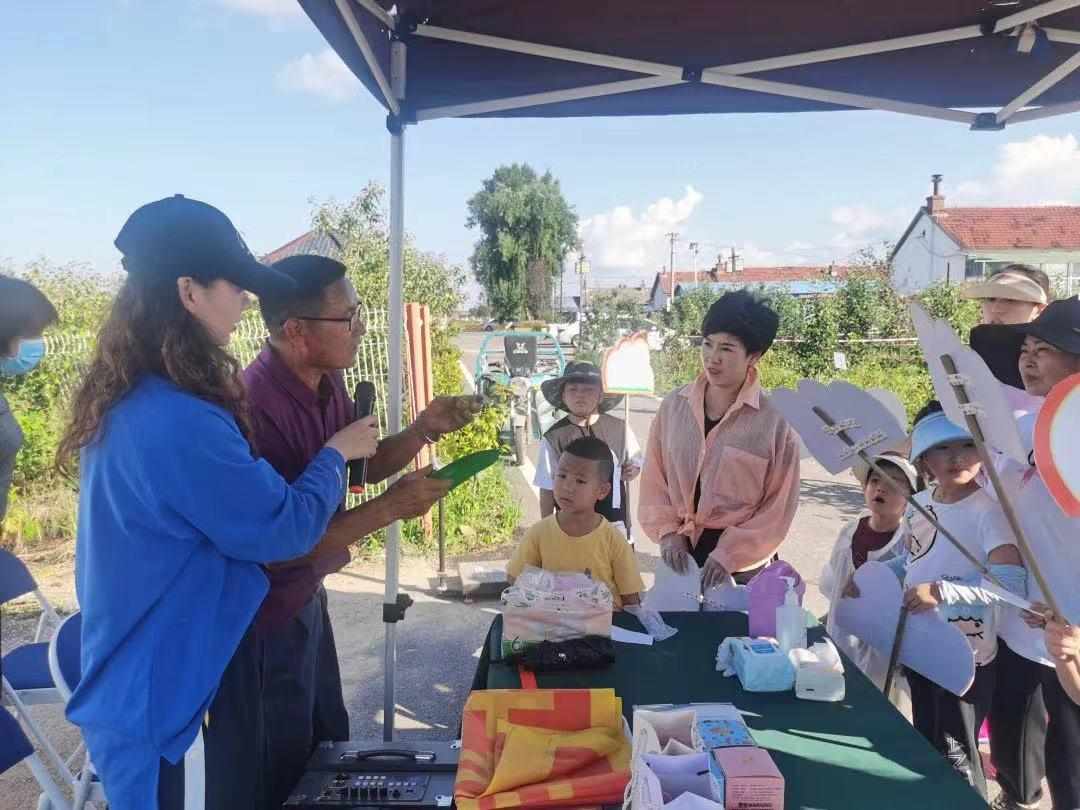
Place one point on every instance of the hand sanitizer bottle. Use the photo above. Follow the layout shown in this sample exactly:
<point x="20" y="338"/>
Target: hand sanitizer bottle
<point x="790" y="620"/>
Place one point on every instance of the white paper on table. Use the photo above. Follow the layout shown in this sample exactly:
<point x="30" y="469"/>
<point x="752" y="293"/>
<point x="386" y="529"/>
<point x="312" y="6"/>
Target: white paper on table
<point x="688" y="773"/>
<point x="691" y="801"/>
<point x="995" y="414"/>
<point x="932" y="647"/>
<point x="726" y="596"/>
<point x="630" y="636"/>
<point x="673" y="591"/>
<point x="868" y="421"/>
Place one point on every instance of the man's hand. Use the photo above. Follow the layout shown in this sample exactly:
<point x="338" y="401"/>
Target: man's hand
<point x="1062" y="640"/>
<point x="414" y="494"/>
<point x="851" y="590"/>
<point x="712" y="574"/>
<point x="1035" y="618"/>
<point x="675" y="551"/>
<point x="629" y="471"/>
<point x="447" y="414"/>
<point x="922" y="597"/>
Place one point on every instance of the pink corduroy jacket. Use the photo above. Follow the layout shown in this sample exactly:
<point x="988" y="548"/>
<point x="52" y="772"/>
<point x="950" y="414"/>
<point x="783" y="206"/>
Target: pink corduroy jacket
<point x="749" y="471"/>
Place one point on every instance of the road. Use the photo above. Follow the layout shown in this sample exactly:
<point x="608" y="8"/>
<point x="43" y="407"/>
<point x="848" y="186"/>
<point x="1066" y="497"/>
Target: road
<point x="439" y="641"/>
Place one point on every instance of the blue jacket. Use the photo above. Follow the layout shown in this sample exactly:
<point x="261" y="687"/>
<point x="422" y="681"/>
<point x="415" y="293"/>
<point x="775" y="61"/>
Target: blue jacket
<point x="176" y="517"/>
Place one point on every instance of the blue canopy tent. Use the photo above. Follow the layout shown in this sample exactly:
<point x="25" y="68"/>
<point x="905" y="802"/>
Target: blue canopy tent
<point x="981" y="63"/>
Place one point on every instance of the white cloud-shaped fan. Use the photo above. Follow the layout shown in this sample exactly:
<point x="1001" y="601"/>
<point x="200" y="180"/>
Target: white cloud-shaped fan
<point x="870" y="423"/>
<point x="986" y="394"/>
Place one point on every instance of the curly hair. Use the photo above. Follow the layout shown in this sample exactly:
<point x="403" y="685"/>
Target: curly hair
<point x="149" y="331"/>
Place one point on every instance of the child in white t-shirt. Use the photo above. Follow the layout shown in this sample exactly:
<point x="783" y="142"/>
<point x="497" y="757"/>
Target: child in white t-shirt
<point x="933" y="566"/>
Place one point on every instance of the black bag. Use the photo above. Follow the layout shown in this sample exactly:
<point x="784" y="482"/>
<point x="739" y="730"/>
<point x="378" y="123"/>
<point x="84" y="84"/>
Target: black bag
<point x="587" y="652"/>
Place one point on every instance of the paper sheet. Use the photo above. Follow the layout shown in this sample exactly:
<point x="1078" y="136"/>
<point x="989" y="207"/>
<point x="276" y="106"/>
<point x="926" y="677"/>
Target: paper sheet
<point x="931" y="647"/>
<point x="871" y="424"/>
<point x="630" y="636"/>
<point x="726" y="596"/>
<point x="995" y="415"/>
<point x="675" y="592"/>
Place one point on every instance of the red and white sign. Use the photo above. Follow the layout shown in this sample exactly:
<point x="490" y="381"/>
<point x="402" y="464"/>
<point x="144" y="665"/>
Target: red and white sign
<point x="1055" y="444"/>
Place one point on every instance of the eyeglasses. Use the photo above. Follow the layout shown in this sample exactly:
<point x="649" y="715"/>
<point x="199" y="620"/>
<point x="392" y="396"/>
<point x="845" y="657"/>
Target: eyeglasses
<point x="353" y="320"/>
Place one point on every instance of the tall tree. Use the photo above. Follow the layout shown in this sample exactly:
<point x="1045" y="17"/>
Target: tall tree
<point x="527" y="228"/>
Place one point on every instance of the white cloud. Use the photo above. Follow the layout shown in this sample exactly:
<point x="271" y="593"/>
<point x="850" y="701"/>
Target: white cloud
<point x="322" y="74"/>
<point x="859" y="226"/>
<point x="1039" y="171"/>
<point x="623" y="240"/>
<point x="275" y="9"/>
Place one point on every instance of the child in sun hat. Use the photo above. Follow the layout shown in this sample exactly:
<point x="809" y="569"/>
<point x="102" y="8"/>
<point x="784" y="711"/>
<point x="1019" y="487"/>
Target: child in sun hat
<point x="878" y="533"/>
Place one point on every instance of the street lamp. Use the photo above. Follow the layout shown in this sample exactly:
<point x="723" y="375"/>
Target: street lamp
<point x="583" y="293"/>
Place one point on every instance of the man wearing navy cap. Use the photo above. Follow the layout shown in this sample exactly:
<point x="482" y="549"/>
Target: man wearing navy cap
<point x="297" y="398"/>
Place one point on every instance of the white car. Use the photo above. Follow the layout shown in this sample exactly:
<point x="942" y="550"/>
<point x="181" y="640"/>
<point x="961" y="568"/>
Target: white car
<point x="566" y="333"/>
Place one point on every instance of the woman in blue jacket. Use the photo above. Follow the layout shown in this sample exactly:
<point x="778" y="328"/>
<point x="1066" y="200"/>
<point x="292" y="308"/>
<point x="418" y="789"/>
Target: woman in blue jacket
<point x="177" y="517"/>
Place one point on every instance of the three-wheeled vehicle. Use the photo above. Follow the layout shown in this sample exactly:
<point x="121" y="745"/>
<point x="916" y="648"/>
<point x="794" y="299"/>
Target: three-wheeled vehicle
<point x="512" y="365"/>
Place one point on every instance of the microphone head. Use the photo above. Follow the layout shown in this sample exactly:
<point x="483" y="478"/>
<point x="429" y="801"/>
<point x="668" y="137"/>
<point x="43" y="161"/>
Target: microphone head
<point x="363" y="399"/>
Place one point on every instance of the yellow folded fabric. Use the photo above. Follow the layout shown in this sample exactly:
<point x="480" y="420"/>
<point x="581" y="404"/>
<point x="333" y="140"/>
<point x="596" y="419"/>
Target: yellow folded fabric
<point x="542" y="748"/>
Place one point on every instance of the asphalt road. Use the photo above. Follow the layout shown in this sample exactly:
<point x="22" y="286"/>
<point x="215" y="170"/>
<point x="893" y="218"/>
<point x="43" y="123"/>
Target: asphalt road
<point x="438" y="643"/>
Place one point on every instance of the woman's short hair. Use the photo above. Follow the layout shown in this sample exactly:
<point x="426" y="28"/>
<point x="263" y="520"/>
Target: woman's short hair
<point x="746" y="316"/>
<point x="24" y="310"/>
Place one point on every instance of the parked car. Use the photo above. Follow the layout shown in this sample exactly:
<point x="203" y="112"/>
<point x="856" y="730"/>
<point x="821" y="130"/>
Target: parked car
<point x="566" y="333"/>
<point x="495" y="325"/>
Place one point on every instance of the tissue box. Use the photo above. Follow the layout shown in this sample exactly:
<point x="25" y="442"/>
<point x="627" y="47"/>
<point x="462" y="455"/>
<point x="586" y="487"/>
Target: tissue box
<point x="818" y="681"/>
<point x="721" y="732"/>
<point x="747" y="778"/>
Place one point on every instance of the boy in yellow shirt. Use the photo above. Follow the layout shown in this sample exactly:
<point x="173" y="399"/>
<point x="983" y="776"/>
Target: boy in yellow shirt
<point x="576" y="538"/>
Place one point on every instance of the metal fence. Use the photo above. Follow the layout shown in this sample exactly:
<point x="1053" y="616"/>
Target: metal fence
<point x="72" y="353"/>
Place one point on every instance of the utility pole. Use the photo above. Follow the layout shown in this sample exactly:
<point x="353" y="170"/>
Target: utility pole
<point x="673" y="236"/>
<point x="734" y="258"/>
<point x="693" y="260"/>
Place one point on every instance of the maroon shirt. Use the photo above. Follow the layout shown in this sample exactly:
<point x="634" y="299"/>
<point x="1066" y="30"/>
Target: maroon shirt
<point x="866" y="540"/>
<point x="291" y="424"/>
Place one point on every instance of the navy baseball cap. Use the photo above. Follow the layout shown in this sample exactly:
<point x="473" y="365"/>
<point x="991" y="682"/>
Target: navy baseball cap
<point x="178" y="236"/>
<point x="1058" y="325"/>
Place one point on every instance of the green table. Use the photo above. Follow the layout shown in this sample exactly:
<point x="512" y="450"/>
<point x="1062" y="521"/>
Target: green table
<point x="860" y="753"/>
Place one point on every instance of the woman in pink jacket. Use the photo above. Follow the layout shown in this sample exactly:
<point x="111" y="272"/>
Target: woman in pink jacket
<point x="721" y="477"/>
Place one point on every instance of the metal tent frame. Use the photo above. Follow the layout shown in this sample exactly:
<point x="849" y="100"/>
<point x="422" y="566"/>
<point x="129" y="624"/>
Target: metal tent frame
<point x="383" y="38"/>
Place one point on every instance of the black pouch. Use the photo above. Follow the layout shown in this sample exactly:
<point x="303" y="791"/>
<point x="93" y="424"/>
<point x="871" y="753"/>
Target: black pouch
<point x="587" y="652"/>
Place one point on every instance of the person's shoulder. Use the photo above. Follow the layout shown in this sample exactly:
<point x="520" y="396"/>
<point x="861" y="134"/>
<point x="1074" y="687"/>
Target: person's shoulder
<point x="610" y="421"/>
<point x="550" y="432"/>
<point x="611" y="533"/>
<point x="545" y="527"/>
<point x="157" y="413"/>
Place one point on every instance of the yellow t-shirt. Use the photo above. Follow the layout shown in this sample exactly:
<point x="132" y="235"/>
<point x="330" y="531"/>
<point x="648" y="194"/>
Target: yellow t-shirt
<point x="603" y="553"/>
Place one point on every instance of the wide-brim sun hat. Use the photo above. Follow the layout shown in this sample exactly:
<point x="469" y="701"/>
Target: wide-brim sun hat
<point x="861" y="470"/>
<point x="933" y="431"/>
<point x="577" y="372"/>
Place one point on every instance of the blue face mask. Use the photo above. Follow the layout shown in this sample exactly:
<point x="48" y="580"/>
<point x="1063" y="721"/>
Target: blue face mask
<point x="29" y="355"/>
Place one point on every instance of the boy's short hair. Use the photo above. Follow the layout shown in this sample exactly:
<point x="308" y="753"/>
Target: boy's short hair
<point x="593" y="449"/>
<point x="933" y="406"/>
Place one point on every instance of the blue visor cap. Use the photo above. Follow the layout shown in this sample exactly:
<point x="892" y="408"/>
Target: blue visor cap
<point x="934" y="430"/>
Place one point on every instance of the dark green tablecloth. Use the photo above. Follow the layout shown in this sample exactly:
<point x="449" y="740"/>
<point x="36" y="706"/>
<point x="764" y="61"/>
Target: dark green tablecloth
<point x="859" y="754"/>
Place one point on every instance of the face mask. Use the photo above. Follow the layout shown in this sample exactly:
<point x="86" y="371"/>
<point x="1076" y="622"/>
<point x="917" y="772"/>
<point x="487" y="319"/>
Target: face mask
<point x="29" y="355"/>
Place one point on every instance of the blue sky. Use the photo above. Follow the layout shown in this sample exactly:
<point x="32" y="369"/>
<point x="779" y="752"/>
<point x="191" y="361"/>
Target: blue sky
<point x="110" y="104"/>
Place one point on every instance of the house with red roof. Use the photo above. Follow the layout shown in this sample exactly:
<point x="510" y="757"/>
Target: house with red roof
<point x="798" y="280"/>
<point x="958" y="244"/>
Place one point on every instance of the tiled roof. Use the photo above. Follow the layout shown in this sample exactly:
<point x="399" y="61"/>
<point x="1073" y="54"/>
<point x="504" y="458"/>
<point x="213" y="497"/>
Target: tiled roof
<point x="797" y="287"/>
<point x="311" y="243"/>
<point x="754" y="275"/>
<point x="1045" y="227"/>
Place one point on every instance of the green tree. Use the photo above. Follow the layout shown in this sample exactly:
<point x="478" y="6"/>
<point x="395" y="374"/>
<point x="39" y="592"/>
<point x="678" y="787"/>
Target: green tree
<point x="360" y="226"/>
<point x="527" y="228"/>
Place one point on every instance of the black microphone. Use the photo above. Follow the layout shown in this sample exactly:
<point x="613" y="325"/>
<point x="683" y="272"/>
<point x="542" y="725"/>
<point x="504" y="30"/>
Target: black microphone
<point x="363" y="405"/>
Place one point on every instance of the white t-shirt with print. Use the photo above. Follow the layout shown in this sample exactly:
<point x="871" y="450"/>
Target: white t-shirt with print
<point x="976" y="522"/>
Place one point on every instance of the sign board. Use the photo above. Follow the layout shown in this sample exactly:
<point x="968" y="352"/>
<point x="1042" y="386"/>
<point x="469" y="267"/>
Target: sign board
<point x="1055" y="444"/>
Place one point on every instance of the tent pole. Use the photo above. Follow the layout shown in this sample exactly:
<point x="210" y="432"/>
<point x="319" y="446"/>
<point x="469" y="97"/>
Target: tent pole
<point x="391" y="610"/>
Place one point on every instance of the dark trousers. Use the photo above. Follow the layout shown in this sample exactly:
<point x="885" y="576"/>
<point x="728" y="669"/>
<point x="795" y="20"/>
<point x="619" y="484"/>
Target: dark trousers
<point x="302" y="701"/>
<point x="1018" y="726"/>
<point x="951" y="723"/>
<point x="224" y="766"/>
<point x="1062" y="743"/>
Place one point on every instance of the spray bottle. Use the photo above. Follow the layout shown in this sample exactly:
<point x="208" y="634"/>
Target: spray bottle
<point x="790" y="620"/>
